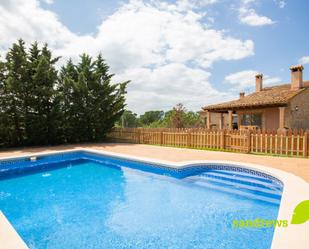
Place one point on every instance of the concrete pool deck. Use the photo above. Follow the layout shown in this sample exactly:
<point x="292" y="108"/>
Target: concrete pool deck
<point x="293" y="172"/>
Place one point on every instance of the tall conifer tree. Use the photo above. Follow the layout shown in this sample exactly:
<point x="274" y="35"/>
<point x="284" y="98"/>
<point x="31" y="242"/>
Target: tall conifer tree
<point x="39" y="106"/>
<point x="15" y="90"/>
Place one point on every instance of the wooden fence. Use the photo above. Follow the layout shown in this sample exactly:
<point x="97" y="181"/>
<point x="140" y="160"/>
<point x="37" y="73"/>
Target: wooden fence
<point x="290" y="143"/>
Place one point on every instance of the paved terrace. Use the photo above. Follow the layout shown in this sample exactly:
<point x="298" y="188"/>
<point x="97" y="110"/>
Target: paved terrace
<point x="296" y="166"/>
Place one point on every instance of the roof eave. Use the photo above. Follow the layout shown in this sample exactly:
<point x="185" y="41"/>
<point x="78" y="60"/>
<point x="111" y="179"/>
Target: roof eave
<point x="237" y="108"/>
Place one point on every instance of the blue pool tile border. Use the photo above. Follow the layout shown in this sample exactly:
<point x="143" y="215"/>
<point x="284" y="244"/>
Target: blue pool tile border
<point x="198" y="168"/>
<point x="19" y="165"/>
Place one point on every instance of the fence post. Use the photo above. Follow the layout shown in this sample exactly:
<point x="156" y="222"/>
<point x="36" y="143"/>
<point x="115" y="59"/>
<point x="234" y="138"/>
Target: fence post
<point x="222" y="140"/>
<point x="161" y="138"/>
<point x="305" y="144"/>
<point x="248" y="137"/>
<point x="139" y="136"/>
<point x="189" y="139"/>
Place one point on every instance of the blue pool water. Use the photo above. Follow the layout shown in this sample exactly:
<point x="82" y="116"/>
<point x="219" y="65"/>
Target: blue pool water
<point x="83" y="201"/>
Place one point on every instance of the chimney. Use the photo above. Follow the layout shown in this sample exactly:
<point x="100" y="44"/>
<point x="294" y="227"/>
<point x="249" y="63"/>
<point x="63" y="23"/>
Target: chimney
<point x="241" y="95"/>
<point x="259" y="82"/>
<point x="297" y="77"/>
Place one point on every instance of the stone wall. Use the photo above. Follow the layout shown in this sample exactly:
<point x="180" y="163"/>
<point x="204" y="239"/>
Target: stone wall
<point x="297" y="113"/>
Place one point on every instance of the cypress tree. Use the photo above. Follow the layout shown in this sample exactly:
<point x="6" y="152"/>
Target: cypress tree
<point x="15" y="91"/>
<point x="3" y="128"/>
<point x="67" y="78"/>
<point x="84" y="93"/>
<point x="108" y="99"/>
<point x="44" y="111"/>
<point x="92" y="103"/>
<point x="39" y="106"/>
<point x="31" y="119"/>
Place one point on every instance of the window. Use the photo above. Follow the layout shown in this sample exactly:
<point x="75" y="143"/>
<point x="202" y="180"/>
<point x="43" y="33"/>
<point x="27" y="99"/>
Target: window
<point x="252" y="119"/>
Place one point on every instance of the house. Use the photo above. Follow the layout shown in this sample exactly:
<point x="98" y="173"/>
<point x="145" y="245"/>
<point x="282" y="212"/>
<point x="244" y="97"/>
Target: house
<point x="276" y="108"/>
<point x="217" y="119"/>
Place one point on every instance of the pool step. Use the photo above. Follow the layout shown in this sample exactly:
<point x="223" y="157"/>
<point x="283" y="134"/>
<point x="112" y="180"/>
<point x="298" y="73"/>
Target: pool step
<point x="242" y="193"/>
<point x="248" y="188"/>
<point x="241" y="179"/>
<point x="239" y="174"/>
<point x="240" y="184"/>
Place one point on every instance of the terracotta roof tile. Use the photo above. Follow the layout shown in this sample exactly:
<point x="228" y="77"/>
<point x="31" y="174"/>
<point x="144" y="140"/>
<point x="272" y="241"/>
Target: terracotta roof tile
<point x="269" y="96"/>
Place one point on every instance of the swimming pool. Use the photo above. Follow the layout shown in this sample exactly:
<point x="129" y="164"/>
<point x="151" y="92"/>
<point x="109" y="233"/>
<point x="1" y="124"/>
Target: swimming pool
<point x="86" y="200"/>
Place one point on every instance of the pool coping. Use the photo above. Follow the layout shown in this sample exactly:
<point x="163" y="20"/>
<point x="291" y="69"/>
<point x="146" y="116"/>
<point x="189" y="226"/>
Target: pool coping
<point x="9" y="238"/>
<point x="295" y="190"/>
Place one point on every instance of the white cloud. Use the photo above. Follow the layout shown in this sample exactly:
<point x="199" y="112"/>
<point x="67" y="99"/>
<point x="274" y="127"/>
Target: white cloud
<point x="27" y="20"/>
<point x="167" y="85"/>
<point x="304" y="60"/>
<point x="49" y="1"/>
<point x="146" y="35"/>
<point x="280" y="3"/>
<point x="183" y="5"/>
<point x="247" y="1"/>
<point x="245" y="80"/>
<point x="248" y="15"/>
<point x="167" y="51"/>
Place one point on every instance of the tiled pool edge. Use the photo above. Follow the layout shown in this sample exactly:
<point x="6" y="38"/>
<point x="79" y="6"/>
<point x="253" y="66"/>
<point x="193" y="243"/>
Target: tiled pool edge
<point x="7" y="166"/>
<point x="295" y="191"/>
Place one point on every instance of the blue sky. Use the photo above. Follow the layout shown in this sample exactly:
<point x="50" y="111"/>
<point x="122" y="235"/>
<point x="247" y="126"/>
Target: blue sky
<point x="194" y="52"/>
